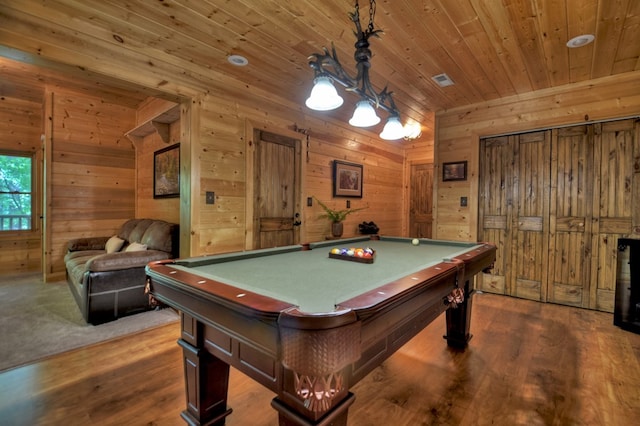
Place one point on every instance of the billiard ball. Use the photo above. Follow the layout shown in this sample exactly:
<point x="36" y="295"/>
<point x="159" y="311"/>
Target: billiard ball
<point x="415" y="241"/>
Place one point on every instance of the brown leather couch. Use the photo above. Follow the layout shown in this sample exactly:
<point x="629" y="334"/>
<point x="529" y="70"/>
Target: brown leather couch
<point x="106" y="275"/>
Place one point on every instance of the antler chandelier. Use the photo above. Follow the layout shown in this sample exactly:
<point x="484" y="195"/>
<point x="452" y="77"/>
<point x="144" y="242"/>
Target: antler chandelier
<point x="327" y="68"/>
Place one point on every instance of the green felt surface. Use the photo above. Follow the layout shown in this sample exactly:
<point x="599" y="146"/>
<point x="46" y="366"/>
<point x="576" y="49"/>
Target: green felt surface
<point x="313" y="281"/>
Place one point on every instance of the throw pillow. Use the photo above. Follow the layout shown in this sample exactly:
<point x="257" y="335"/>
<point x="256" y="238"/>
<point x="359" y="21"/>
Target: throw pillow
<point x="136" y="247"/>
<point x="114" y="244"/>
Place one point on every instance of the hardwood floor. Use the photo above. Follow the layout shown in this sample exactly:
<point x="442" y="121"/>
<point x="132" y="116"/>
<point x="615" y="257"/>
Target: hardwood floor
<point x="528" y="364"/>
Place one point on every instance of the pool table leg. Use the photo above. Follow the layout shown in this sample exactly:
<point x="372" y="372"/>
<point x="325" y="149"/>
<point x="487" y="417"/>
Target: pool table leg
<point x="459" y="321"/>
<point x="206" y="380"/>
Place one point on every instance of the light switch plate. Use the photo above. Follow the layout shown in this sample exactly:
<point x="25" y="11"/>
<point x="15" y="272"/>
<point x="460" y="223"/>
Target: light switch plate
<point x="210" y="197"/>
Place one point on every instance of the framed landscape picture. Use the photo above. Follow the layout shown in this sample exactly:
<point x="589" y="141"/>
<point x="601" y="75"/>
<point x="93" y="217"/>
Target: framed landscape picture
<point x="454" y="171"/>
<point x="347" y="179"/>
<point x="166" y="172"/>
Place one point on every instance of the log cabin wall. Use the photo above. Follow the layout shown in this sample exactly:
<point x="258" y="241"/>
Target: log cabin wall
<point x="91" y="181"/>
<point x="20" y="129"/>
<point x="146" y="206"/>
<point x="458" y="132"/>
<point x="220" y="150"/>
<point x="99" y="178"/>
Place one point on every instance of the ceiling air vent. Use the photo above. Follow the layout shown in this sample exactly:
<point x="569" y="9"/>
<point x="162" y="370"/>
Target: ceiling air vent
<point x="443" y="80"/>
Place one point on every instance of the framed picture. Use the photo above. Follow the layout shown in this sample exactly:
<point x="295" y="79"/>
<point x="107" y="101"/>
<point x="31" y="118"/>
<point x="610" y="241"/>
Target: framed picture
<point x="347" y="179"/>
<point x="454" y="171"/>
<point x="166" y="172"/>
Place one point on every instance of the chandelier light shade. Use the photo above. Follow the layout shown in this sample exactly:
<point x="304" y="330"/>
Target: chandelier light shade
<point x="412" y="131"/>
<point x="364" y="115"/>
<point x="393" y="129"/>
<point x="324" y="96"/>
<point x="327" y="69"/>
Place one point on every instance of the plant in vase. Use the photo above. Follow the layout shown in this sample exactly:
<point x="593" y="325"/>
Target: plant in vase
<point x="336" y="217"/>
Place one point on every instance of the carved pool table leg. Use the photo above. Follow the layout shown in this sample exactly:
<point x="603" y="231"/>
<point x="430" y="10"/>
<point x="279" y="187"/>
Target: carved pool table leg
<point x="459" y="321"/>
<point x="206" y="379"/>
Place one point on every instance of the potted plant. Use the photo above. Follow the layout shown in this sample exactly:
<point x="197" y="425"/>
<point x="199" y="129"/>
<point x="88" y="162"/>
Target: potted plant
<point x="336" y="217"/>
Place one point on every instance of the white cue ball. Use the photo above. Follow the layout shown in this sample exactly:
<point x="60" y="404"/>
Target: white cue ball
<point x="415" y="241"/>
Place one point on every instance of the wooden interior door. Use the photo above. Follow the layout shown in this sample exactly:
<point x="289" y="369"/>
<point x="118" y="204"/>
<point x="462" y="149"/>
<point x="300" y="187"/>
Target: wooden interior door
<point x="514" y="212"/>
<point x="530" y="222"/>
<point x="617" y="161"/>
<point x="277" y="190"/>
<point x="571" y="215"/>
<point x="421" y="201"/>
<point x="495" y="212"/>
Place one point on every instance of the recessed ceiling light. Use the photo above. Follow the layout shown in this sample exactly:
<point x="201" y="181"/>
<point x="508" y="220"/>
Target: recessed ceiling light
<point x="580" y="40"/>
<point x="443" y="80"/>
<point x="238" y="60"/>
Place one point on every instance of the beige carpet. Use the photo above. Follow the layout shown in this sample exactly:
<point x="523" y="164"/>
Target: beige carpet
<point x="39" y="319"/>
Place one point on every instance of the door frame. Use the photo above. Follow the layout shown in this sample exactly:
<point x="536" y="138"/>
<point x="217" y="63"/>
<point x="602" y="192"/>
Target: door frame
<point x="250" y="175"/>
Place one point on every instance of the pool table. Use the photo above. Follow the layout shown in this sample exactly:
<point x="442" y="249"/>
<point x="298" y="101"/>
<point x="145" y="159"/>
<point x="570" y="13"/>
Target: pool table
<point x="308" y="325"/>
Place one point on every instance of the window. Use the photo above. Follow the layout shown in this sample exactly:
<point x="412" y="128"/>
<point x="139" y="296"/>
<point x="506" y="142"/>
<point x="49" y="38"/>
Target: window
<point x="16" y="198"/>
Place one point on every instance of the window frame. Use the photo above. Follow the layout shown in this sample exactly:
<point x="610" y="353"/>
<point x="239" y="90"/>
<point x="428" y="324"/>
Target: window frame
<point x="32" y="156"/>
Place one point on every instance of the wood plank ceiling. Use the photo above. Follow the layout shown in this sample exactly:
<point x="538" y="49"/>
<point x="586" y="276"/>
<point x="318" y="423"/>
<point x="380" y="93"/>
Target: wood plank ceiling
<point x="489" y="48"/>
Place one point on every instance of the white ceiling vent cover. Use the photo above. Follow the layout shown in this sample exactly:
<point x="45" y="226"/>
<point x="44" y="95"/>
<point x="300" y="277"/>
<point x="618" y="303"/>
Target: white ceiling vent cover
<point x="442" y="80"/>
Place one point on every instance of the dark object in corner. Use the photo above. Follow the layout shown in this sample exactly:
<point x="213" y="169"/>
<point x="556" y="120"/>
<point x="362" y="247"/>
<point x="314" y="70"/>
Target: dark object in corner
<point x="368" y="228"/>
<point x="627" y="297"/>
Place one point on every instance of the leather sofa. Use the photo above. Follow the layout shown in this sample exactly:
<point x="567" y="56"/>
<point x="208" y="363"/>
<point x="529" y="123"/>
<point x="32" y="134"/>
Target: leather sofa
<point x="106" y="275"/>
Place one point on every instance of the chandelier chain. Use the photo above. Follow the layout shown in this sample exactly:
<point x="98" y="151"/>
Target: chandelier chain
<point x="372" y="14"/>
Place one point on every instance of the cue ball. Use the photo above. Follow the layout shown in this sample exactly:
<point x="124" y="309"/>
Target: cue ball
<point x="415" y="241"/>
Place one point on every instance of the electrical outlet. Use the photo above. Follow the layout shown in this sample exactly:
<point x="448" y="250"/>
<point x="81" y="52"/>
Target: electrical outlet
<point x="463" y="201"/>
<point x="309" y="201"/>
<point x="210" y="197"/>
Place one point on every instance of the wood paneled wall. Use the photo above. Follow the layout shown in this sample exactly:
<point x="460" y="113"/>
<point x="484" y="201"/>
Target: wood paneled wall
<point x="97" y="179"/>
<point x="458" y="132"/>
<point x="91" y="182"/>
<point x="146" y="206"/>
<point x="20" y="129"/>
<point x="220" y="149"/>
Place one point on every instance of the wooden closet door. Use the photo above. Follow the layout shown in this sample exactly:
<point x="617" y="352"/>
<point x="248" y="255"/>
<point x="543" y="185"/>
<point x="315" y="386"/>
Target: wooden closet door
<point x="571" y="215"/>
<point x="495" y="212"/>
<point x="514" y="212"/>
<point x="555" y="203"/>
<point x="529" y="252"/>
<point x="617" y="162"/>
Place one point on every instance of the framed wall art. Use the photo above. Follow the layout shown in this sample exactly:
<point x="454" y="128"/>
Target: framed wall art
<point x="166" y="172"/>
<point x="347" y="179"/>
<point x="454" y="171"/>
